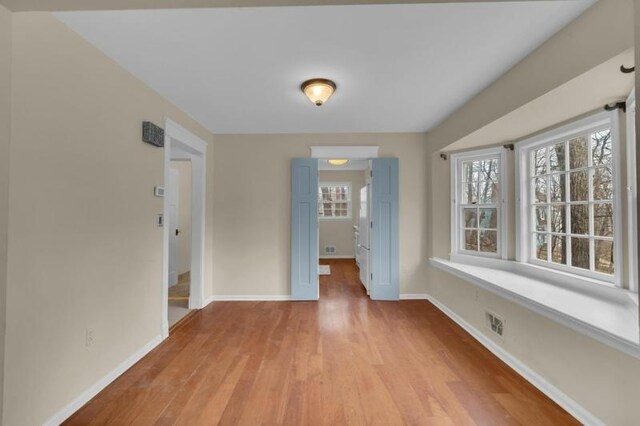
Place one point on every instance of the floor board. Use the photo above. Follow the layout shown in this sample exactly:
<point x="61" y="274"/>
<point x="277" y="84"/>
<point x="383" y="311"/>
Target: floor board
<point x="342" y="360"/>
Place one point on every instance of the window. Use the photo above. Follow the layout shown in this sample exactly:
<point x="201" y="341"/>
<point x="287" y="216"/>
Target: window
<point x="477" y="214"/>
<point x="334" y="200"/>
<point x="567" y="182"/>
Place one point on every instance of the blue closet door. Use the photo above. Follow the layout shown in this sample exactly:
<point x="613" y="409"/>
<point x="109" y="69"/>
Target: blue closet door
<point x="304" y="229"/>
<point x="385" y="271"/>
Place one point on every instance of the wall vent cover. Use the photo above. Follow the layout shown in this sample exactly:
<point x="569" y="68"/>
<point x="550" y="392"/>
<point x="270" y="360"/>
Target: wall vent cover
<point x="495" y="323"/>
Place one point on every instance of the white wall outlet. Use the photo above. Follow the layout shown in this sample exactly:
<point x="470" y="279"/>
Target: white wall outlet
<point x="89" y="338"/>
<point x="330" y="249"/>
<point x="495" y="323"/>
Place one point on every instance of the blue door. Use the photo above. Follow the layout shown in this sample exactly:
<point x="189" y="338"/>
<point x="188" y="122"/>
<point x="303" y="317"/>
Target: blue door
<point x="304" y="229"/>
<point x="384" y="240"/>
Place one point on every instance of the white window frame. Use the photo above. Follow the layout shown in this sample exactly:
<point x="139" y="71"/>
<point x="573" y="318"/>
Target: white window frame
<point x="632" y="192"/>
<point x="523" y="212"/>
<point x="457" y="245"/>
<point x="349" y="201"/>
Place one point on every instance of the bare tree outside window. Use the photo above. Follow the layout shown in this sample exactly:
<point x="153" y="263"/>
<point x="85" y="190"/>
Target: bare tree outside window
<point x="572" y="202"/>
<point x="479" y="204"/>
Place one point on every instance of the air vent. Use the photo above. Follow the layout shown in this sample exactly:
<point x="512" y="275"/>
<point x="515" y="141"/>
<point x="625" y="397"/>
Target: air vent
<point x="330" y="249"/>
<point x="495" y="323"/>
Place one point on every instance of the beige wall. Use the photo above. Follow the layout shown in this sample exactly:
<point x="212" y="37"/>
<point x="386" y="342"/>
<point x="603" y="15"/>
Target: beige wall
<point x="601" y="379"/>
<point x="184" y="212"/>
<point x="252" y="210"/>
<point x="339" y="232"/>
<point x="84" y="250"/>
<point x="5" y="133"/>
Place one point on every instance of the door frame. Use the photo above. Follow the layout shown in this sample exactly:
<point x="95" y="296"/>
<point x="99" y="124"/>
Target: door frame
<point x="348" y="152"/>
<point x="180" y="144"/>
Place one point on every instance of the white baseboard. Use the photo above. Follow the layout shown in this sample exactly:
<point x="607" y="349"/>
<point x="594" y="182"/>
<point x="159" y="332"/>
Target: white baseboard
<point x="571" y="406"/>
<point x="414" y="296"/>
<point x="249" y="298"/>
<point x="207" y="301"/>
<point x="86" y="396"/>
<point x="336" y="256"/>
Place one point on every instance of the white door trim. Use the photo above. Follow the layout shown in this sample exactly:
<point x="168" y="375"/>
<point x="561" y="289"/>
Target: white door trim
<point x="181" y="141"/>
<point x="347" y="152"/>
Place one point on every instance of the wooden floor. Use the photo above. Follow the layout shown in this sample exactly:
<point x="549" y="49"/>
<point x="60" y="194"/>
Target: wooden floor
<point x="342" y="360"/>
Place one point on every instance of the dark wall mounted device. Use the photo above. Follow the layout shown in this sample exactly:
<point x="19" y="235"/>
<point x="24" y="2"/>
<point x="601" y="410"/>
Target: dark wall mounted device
<point x="152" y="134"/>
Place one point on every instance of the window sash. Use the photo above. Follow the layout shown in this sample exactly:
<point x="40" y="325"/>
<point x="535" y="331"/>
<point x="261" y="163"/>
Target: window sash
<point x="525" y="173"/>
<point x="459" y="184"/>
<point x="334" y="203"/>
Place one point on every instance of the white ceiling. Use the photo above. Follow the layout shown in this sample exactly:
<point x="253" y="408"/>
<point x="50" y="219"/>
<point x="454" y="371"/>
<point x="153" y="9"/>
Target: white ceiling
<point x="399" y="68"/>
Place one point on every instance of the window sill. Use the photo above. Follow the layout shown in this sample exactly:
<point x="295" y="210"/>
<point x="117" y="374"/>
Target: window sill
<point x="609" y="315"/>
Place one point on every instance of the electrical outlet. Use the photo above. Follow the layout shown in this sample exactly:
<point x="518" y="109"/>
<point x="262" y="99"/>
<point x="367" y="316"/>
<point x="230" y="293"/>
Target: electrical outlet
<point x="89" y="339"/>
<point x="495" y="323"/>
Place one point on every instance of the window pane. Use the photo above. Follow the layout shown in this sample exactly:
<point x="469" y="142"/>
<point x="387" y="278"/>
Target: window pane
<point x="558" y="219"/>
<point x="470" y="171"/>
<point x="580" y="219"/>
<point x="470" y="193"/>
<point x="541" y="219"/>
<point x="557" y="156"/>
<point x="470" y="218"/>
<point x="580" y="252"/>
<point x="541" y="246"/>
<point x="578" y="152"/>
<point x="601" y="148"/>
<point x="558" y="188"/>
<point x="488" y="192"/>
<point x="489" y="241"/>
<point x="488" y="170"/>
<point x="603" y="220"/>
<point x="489" y="218"/>
<point x="471" y="240"/>
<point x="602" y="184"/>
<point x="604" y="256"/>
<point x="558" y="249"/>
<point x="539" y="160"/>
<point x="579" y="186"/>
<point x="540" y="188"/>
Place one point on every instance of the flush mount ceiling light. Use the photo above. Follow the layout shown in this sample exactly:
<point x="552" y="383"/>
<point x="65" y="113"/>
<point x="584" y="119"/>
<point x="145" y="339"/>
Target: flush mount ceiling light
<point x="338" y="162"/>
<point x="318" y="90"/>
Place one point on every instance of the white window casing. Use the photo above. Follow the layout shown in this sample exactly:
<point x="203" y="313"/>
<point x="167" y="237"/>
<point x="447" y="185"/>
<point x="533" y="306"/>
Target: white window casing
<point x="464" y="203"/>
<point x="335" y="201"/>
<point x="546" y="147"/>
<point x="632" y="192"/>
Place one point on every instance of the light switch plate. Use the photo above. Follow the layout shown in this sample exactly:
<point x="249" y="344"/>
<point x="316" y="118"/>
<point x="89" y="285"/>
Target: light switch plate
<point x="160" y="220"/>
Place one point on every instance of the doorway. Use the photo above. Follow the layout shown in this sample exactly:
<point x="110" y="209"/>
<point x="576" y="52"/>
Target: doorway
<point x="179" y="224"/>
<point x="184" y="160"/>
<point x="306" y="201"/>
<point x="343" y="220"/>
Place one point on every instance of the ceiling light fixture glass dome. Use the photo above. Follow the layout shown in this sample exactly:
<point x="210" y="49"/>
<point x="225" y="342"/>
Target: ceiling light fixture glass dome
<point x="338" y="162"/>
<point x="318" y="90"/>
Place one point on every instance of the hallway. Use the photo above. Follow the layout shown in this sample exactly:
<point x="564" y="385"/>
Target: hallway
<point x="343" y="360"/>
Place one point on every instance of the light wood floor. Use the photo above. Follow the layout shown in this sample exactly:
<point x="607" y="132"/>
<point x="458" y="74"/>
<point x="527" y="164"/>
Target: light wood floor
<point x="342" y="360"/>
